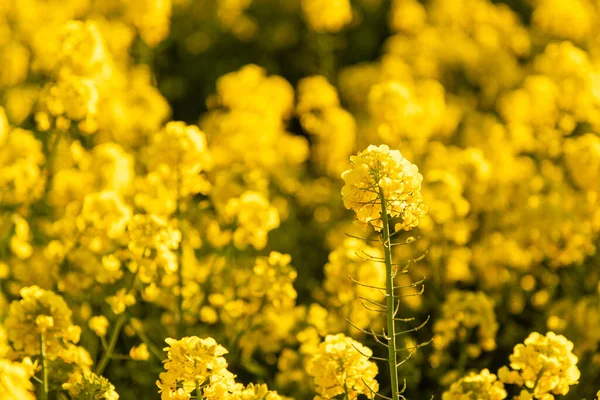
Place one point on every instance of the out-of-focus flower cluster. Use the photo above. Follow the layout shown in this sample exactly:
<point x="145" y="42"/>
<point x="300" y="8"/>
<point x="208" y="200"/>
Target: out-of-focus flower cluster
<point x="175" y="169"/>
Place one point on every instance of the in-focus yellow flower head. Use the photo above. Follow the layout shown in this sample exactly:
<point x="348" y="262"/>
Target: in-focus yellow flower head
<point x="545" y="364"/>
<point x="192" y="361"/>
<point x="380" y="171"/>
<point x="342" y="364"/>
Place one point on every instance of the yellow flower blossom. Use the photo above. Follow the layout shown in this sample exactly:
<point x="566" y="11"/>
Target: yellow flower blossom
<point x="482" y="386"/>
<point x="379" y="171"/>
<point x="15" y="379"/>
<point x="545" y="365"/>
<point x="341" y="366"/>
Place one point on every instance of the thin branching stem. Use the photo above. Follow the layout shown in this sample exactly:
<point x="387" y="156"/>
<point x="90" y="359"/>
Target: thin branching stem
<point x="111" y="344"/>
<point x="389" y="285"/>
<point x="44" y="362"/>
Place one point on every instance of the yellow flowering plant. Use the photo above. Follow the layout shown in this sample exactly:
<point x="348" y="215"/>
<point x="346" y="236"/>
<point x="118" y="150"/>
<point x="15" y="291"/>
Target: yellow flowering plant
<point x="183" y="169"/>
<point x="384" y="190"/>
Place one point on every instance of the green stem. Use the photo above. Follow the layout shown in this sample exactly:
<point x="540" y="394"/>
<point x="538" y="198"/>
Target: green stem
<point x="111" y="344"/>
<point x="389" y="289"/>
<point x="44" y="368"/>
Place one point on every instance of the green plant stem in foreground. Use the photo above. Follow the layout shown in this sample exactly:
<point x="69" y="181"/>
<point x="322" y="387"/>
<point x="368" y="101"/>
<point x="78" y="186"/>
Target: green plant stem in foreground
<point x="44" y="368"/>
<point x="389" y="289"/>
<point x="111" y="344"/>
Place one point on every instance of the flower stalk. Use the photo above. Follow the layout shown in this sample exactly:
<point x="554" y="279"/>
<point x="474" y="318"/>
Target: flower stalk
<point x="111" y="344"/>
<point x="389" y="291"/>
<point x="44" y="362"/>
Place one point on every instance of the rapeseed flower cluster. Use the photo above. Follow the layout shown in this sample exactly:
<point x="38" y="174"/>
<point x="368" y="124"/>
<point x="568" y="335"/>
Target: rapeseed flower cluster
<point x="544" y="364"/>
<point x="380" y="172"/>
<point x="466" y="317"/>
<point x="341" y="366"/>
<point x="173" y="169"/>
<point x="483" y="385"/>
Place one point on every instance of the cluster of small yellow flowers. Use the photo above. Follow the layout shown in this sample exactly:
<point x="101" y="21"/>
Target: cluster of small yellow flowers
<point x="327" y="16"/>
<point x="259" y="301"/>
<point x="582" y="156"/>
<point x="464" y="314"/>
<point x="333" y="127"/>
<point x="255" y="392"/>
<point x="401" y="110"/>
<point x="247" y="102"/>
<point x="178" y="152"/>
<point x="103" y="219"/>
<point x="74" y="95"/>
<point x="120" y="301"/>
<point x="152" y="241"/>
<point x="194" y="364"/>
<point x="341" y="366"/>
<point x="21" y="160"/>
<point x="353" y="260"/>
<point x="252" y="217"/>
<point x="106" y="168"/>
<point x="15" y="379"/>
<point x="89" y="386"/>
<point x="380" y="173"/>
<point x="544" y="364"/>
<point x="481" y="386"/>
<point x="152" y="19"/>
<point x="41" y="313"/>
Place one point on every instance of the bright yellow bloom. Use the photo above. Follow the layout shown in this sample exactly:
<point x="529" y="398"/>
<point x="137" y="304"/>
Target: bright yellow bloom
<point x="152" y="241"/>
<point x="544" y="364"/>
<point x="380" y="171"/>
<point x="255" y="392"/>
<point x="341" y="365"/>
<point x="15" y="380"/>
<point x="181" y="149"/>
<point x="41" y="313"/>
<point x="481" y="386"/>
<point x="192" y="361"/>
<point x="465" y="315"/>
<point x="253" y="217"/>
<point x="21" y="159"/>
<point x="103" y="219"/>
